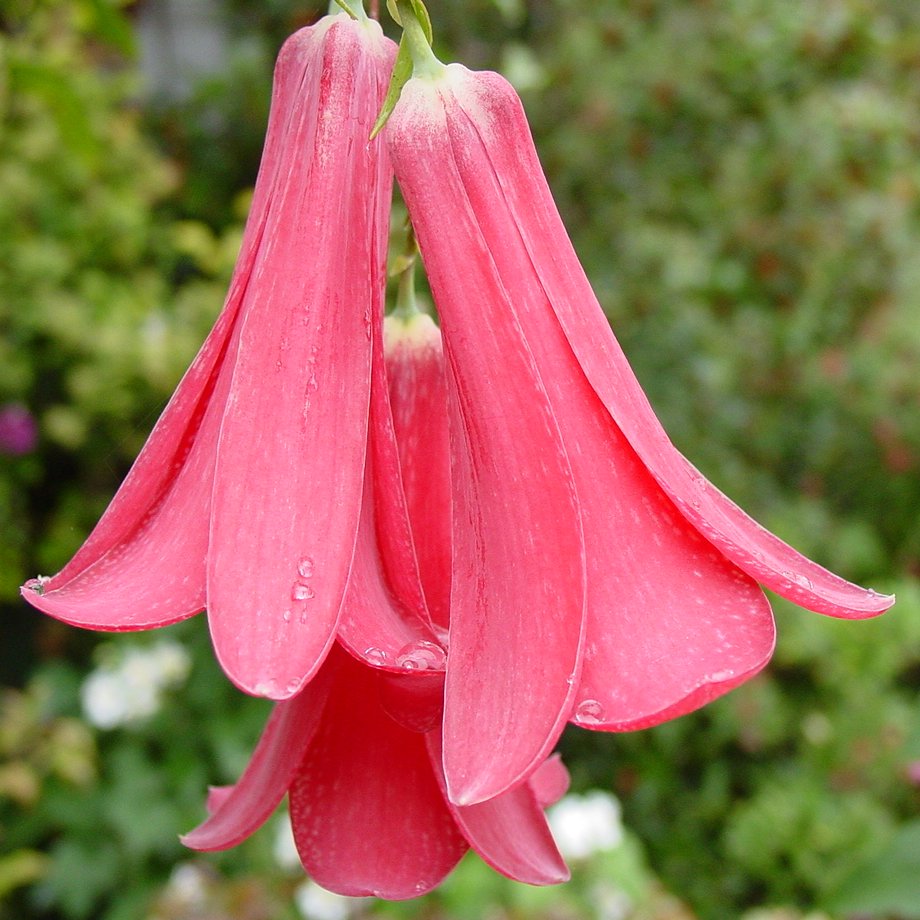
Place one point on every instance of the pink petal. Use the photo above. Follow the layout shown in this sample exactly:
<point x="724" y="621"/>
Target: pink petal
<point x="368" y="814"/>
<point x="415" y="699"/>
<point x="517" y="598"/>
<point x="237" y="811"/>
<point x="384" y="610"/>
<point x="418" y="396"/>
<point x="217" y="796"/>
<point x="509" y="832"/>
<point x="144" y="564"/>
<point x="550" y="781"/>
<point x="376" y="626"/>
<point x="759" y="553"/>
<point x="671" y="622"/>
<point x="290" y="461"/>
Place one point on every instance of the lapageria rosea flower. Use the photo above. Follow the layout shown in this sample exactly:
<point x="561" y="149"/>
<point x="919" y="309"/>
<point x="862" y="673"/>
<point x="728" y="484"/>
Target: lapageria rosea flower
<point x="597" y="576"/>
<point x="366" y="795"/>
<point x="358" y="752"/>
<point x="247" y="496"/>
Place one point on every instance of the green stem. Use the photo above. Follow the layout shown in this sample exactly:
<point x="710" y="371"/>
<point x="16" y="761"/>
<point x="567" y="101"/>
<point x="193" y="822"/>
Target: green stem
<point x="406" y="303"/>
<point x="354" y="8"/>
<point x="424" y="63"/>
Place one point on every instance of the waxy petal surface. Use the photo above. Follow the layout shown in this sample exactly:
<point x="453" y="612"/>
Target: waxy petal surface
<point x="418" y="397"/>
<point x="517" y="597"/>
<point x="671" y="622"/>
<point x="143" y="565"/>
<point x="509" y="832"/>
<point x="384" y="611"/>
<point x="290" y="464"/>
<point x="550" y="781"/>
<point x="763" y="556"/>
<point x="239" y="810"/>
<point x="369" y="817"/>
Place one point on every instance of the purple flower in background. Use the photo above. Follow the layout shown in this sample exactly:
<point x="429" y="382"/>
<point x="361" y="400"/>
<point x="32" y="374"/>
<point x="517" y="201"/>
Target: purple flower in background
<point x="18" y="430"/>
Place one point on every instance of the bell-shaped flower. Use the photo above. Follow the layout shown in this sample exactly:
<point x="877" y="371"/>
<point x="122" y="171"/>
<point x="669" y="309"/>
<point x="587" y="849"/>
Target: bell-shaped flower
<point x="597" y="576"/>
<point x="358" y="752"/>
<point x="247" y="496"/>
<point x="367" y="800"/>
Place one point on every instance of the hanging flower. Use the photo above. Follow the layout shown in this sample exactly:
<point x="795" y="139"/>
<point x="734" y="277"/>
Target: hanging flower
<point x="367" y="800"/>
<point x="597" y="576"/>
<point x="246" y="498"/>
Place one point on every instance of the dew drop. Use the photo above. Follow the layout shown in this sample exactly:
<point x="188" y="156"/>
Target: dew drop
<point x="266" y="688"/>
<point x="305" y="567"/>
<point x="287" y="616"/>
<point x="293" y="686"/>
<point x="719" y="677"/>
<point x="302" y="592"/>
<point x="421" y="656"/>
<point x="375" y="655"/>
<point x="589" y="712"/>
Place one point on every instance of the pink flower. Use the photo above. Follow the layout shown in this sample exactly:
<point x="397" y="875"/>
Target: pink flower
<point x="359" y="751"/>
<point x="597" y="576"/>
<point x="18" y="430"/>
<point x="367" y="801"/>
<point x="248" y="494"/>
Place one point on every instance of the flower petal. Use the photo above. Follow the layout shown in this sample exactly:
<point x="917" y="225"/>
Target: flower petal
<point x="290" y="462"/>
<point x="671" y="622"/>
<point x="239" y="810"/>
<point x="517" y="598"/>
<point x="418" y="396"/>
<point x="509" y="832"/>
<point x="144" y="563"/>
<point x="550" y="781"/>
<point x="762" y="555"/>
<point x="384" y="609"/>
<point x="368" y="815"/>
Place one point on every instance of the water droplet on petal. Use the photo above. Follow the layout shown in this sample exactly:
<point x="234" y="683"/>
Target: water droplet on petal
<point x="305" y="567"/>
<point x="719" y="677"/>
<point x="375" y="655"/>
<point x="421" y="656"/>
<point x="302" y="592"/>
<point x="266" y="688"/>
<point x="287" y="616"/>
<point x="589" y="712"/>
<point x="293" y="686"/>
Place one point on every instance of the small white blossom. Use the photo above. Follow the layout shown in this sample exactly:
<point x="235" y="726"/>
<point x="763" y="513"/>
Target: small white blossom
<point x="284" y="849"/>
<point x="187" y="886"/>
<point x="315" y="903"/>
<point x="585" y="824"/>
<point x="129" y="686"/>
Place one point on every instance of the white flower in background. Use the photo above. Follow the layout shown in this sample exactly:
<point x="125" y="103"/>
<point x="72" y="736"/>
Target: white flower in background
<point x="130" y="682"/>
<point x="187" y="886"/>
<point x="315" y="903"/>
<point x="585" y="824"/>
<point x="284" y="849"/>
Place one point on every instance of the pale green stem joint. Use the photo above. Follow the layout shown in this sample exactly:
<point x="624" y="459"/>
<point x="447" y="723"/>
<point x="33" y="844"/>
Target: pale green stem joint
<point x="424" y="62"/>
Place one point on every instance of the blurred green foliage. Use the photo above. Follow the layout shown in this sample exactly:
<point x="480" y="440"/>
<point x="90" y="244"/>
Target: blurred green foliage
<point x="742" y="180"/>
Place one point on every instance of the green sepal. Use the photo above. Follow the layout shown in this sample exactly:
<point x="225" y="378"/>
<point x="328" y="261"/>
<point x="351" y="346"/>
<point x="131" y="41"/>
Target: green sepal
<point x="421" y="14"/>
<point x="402" y="71"/>
<point x="403" y="66"/>
<point x="349" y="7"/>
